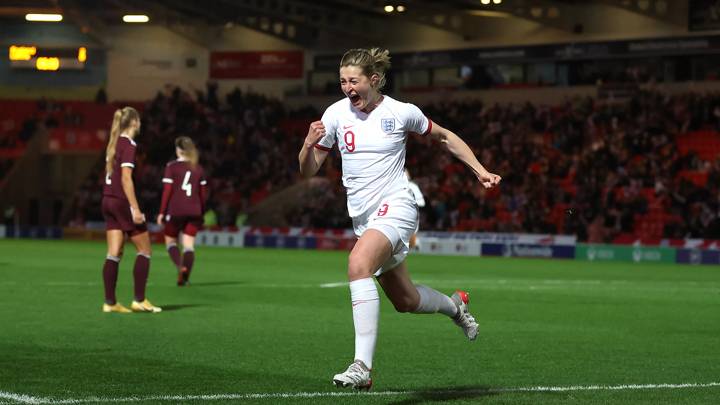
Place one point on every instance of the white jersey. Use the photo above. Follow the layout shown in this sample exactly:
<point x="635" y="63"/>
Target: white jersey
<point x="417" y="194"/>
<point x="372" y="147"/>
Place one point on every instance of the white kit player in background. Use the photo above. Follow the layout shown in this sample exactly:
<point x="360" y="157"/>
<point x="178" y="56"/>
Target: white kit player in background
<point x="420" y="201"/>
<point x="370" y="130"/>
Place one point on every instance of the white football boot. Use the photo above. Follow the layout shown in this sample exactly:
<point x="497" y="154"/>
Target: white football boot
<point x="356" y="376"/>
<point x="463" y="319"/>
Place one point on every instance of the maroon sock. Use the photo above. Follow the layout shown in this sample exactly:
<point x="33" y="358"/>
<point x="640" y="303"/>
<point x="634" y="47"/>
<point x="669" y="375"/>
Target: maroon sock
<point x="140" y="275"/>
<point x="110" y="275"/>
<point x="174" y="253"/>
<point x="188" y="260"/>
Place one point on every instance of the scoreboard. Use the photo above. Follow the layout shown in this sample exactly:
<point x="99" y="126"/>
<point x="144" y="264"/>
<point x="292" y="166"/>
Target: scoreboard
<point x="47" y="59"/>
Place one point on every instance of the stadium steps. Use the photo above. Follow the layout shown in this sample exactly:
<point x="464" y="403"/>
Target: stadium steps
<point x="41" y="185"/>
<point x="273" y="210"/>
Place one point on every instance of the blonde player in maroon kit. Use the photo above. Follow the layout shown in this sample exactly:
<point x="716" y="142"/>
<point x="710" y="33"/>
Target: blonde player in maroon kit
<point x="123" y="215"/>
<point x="182" y="206"/>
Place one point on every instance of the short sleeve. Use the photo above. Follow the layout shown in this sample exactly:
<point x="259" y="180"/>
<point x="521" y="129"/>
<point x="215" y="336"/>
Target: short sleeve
<point x="330" y="122"/>
<point x="167" y="177"/>
<point x="127" y="156"/>
<point x="416" y="121"/>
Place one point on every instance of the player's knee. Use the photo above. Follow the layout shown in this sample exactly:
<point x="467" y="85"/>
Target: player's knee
<point x="115" y="252"/>
<point x="358" y="267"/>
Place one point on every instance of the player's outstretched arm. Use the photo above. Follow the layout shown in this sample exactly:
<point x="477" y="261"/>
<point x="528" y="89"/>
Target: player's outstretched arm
<point x="462" y="151"/>
<point x="311" y="158"/>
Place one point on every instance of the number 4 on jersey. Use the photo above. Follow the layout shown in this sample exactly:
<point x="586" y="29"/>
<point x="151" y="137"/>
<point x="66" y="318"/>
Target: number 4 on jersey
<point x="186" y="184"/>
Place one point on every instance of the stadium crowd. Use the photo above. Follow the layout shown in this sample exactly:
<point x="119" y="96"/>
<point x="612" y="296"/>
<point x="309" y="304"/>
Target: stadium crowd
<point x="596" y="169"/>
<point x="587" y="168"/>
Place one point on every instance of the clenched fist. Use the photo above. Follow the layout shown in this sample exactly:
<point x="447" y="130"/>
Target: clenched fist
<point x="315" y="133"/>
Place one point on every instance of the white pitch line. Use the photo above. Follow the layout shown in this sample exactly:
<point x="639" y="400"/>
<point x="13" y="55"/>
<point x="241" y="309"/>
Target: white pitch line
<point x="290" y="395"/>
<point x="333" y="285"/>
<point x="72" y="284"/>
<point x="475" y="283"/>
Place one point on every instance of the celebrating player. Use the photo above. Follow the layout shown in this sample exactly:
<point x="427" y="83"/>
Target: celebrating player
<point x="182" y="206"/>
<point x="370" y="130"/>
<point x="122" y="213"/>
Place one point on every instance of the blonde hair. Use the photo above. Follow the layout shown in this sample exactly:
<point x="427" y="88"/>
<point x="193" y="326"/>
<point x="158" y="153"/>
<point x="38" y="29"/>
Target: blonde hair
<point x="186" y="145"/>
<point x="121" y="122"/>
<point x="371" y="61"/>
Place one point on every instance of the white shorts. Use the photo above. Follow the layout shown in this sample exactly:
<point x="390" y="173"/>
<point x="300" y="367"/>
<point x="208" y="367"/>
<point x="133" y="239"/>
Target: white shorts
<point x="397" y="218"/>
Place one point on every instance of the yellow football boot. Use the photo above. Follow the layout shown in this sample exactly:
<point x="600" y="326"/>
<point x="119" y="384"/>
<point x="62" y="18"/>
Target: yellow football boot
<point x="145" y="306"/>
<point x="115" y="308"/>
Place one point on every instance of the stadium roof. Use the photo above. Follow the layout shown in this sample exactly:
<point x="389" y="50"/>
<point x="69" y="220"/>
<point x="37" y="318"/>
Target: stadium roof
<point x="300" y="21"/>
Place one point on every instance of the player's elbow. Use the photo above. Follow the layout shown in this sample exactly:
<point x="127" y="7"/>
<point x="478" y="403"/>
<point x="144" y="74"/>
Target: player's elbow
<point x="442" y="135"/>
<point x="307" y="173"/>
<point x="307" y="168"/>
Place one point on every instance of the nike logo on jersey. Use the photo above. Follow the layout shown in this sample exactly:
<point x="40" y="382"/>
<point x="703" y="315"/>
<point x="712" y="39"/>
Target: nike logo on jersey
<point x="348" y="126"/>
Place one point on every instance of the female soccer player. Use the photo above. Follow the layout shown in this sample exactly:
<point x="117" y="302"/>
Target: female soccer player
<point x="182" y="206"/>
<point x="122" y="213"/>
<point x="370" y="130"/>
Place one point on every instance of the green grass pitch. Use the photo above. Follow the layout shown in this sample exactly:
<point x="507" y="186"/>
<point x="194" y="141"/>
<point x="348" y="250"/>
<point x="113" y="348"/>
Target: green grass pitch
<point x="257" y="321"/>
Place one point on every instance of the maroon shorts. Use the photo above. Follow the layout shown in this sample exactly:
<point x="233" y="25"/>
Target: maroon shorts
<point x="118" y="216"/>
<point x="188" y="225"/>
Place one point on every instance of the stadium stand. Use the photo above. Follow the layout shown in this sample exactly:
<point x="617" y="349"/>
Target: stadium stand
<point x="647" y="168"/>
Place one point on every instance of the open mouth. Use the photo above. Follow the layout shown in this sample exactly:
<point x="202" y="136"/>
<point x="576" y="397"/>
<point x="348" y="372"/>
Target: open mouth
<point x="355" y="98"/>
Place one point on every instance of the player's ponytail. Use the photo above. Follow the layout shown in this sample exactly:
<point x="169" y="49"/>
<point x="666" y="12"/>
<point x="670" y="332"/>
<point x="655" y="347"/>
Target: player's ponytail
<point x="371" y="61"/>
<point x="112" y="142"/>
<point x="121" y="121"/>
<point x="189" y="151"/>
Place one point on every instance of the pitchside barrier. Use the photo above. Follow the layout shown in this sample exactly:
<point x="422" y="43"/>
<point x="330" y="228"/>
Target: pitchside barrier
<point x="497" y="244"/>
<point x="287" y="238"/>
<point x="689" y="251"/>
<point x="621" y="253"/>
<point x="684" y="251"/>
<point x="31" y="232"/>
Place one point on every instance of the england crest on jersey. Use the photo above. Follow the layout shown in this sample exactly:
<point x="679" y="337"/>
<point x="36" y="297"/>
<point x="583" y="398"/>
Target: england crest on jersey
<point x="387" y="124"/>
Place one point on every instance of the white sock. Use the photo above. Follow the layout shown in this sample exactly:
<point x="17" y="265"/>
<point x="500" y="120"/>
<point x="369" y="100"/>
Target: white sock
<point x="432" y="301"/>
<point x="366" y="311"/>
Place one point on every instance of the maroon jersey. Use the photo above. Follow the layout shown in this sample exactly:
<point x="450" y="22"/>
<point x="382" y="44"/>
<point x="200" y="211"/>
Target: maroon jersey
<point x="124" y="157"/>
<point x="186" y="196"/>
